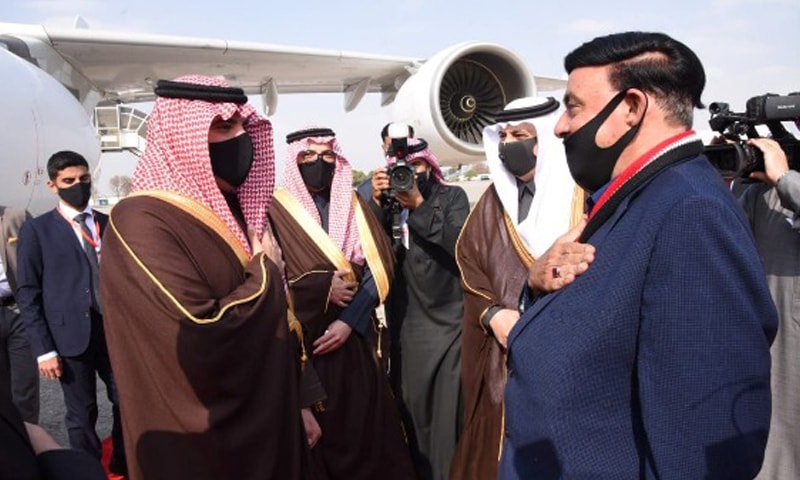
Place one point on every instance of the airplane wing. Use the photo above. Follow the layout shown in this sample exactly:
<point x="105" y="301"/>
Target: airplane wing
<point x="125" y="66"/>
<point x="448" y="98"/>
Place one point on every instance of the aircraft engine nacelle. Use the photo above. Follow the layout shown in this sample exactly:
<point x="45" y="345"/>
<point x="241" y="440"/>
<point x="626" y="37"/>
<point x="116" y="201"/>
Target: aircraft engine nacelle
<point x="456" y="93"/>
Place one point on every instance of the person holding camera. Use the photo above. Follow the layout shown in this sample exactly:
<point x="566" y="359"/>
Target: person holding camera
<point x="773" y="208"/>
<point x="426" y="304"/>
<point x="532" y="200"/>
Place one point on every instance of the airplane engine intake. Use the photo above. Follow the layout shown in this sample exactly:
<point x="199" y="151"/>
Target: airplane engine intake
<point x="457" y="93"/>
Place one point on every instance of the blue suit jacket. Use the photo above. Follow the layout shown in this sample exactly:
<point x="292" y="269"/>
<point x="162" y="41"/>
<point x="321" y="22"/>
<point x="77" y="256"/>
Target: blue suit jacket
<point x="654" y="363"/>
<point x="54" y="285"/>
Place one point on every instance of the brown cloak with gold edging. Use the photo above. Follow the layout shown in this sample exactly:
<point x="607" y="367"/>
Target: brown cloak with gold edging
<point x="362" y="436"/>
<point x="198" y="339"/>
<point x="489" y="255"/>
<point x="494" y="266"/>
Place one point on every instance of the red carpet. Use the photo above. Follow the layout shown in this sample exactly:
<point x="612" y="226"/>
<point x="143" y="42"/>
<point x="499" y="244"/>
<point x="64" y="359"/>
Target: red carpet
<point x="106" y="458"/>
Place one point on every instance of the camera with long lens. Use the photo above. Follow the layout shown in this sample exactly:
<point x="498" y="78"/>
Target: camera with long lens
<point x="738" y="159"/>
<point x="401" y="174"/>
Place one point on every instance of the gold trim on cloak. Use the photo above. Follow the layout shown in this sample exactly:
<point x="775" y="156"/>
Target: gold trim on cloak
<point x="329" y="248"/>
<point x="578" y="206"/>
<point x="204" y="215"/>
<point x="370" y="249"/>
<point x="576" y="214"/>
<point x="200" y="212"/>
<point x="515" y="241"/>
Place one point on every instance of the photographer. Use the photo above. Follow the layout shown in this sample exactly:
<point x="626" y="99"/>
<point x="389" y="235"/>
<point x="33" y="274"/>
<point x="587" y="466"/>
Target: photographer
<point x="772" y="207"/>
<point x="425" y="306"/>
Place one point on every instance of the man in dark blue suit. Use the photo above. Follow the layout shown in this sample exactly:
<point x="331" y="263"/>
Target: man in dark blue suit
<point x="645" y="353"/>
<point x="58" y="260"/>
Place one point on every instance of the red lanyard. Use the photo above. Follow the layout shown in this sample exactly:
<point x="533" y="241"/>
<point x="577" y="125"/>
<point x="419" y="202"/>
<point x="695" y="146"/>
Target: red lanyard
<point x="94" y="242"/>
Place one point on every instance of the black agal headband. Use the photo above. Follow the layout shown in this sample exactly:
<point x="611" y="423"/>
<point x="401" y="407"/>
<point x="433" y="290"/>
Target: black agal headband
<point x="310" y="132"/>
<point x="193" y="91"/>
<point x="526" y="113"/>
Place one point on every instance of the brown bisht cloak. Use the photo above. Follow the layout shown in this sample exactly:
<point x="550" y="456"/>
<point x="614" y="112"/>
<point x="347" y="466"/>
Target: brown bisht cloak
<point x="362" y="436"/>
<point x="494" y="267"/>
<point x="198" y="339"/>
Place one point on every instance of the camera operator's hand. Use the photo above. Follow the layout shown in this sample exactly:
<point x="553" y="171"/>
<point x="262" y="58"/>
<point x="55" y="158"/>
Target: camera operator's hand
<point x="775" y="163"/>
<point x="410" y="199"/>
<point x="380" y="183"/>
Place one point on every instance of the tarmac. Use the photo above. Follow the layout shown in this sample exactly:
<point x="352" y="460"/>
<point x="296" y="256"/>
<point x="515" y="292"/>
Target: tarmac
<point x="51" y="411"/>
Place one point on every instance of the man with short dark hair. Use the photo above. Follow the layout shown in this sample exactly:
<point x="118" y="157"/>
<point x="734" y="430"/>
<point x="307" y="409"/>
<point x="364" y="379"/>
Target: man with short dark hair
<point x="654" y="362"/>
<point x="58" y="295"/>
<point x="386" y="140"/>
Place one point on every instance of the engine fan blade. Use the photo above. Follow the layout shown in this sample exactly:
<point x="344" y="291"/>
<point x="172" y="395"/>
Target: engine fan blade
<point x="469" y="97"/>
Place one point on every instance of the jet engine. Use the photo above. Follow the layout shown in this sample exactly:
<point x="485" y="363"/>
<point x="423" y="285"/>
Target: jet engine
<point x="456" y="93"/>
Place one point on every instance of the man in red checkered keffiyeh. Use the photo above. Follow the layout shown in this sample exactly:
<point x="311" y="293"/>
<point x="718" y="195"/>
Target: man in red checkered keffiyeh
<point x="196" y="313"/>
<point x="341" y="224"/>
<point x="339" y="266"/>
<point x="176" y="158"/>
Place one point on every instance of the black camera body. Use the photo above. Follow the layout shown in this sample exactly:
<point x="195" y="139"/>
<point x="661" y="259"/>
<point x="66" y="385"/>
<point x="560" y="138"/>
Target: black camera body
<point x="401" y="175"/>
<point x="738" y="159"/>
<point x="401" y="179"/>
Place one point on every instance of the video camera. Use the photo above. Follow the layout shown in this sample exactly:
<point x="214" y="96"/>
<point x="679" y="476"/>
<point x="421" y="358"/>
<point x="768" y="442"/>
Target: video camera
<point x="738" y="159"/>
<point x="401" y="175"/>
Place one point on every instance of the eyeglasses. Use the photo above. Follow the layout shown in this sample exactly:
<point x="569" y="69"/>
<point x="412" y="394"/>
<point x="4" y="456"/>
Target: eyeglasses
<point x="311" y="155"/>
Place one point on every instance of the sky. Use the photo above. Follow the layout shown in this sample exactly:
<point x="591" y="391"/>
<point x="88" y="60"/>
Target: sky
<point x="748" y="48"/>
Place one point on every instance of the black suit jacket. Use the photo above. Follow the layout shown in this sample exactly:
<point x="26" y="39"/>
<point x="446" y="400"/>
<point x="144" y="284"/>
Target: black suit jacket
<point x="54" y="290"/>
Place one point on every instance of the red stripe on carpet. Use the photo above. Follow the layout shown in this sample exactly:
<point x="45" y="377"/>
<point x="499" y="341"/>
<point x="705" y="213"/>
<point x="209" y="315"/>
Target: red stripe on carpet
<point x="106" y="457"/>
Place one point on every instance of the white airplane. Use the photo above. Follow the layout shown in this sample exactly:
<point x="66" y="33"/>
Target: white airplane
<point x="53" y="78"/>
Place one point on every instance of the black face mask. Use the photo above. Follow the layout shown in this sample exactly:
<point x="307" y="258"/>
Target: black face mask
<point x="77" y="195"/>
<point x="590" y="165"/>
<point x="317" y="174"/>
<point x="423" y="183"/>
<point x="231" y="160"/>
<point x="518" y="157"/>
